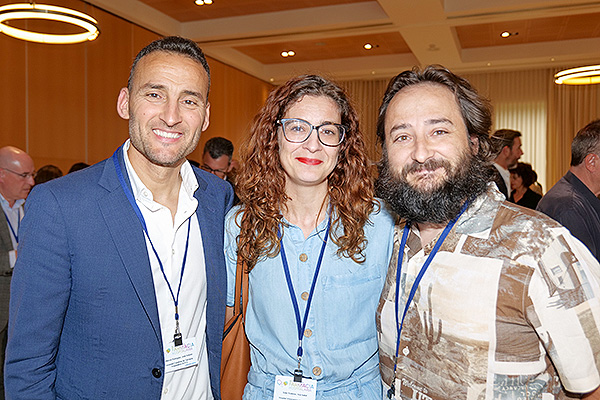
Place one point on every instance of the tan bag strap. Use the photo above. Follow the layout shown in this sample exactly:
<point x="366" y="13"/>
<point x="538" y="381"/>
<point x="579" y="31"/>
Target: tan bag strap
<point x="241" y="289"/>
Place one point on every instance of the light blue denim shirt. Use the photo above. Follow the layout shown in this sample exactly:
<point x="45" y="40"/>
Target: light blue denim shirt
<point x="340" y="341"/>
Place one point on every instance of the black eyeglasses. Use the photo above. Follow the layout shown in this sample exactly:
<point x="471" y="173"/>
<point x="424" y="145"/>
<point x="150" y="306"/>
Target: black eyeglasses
<point x="296" y="130"/>
<point x="23" y="175"/>
<point x="218" y="172"/>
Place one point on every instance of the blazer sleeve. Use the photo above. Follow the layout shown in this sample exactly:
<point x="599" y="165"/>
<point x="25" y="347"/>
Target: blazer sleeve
<point x="39" y="298"/>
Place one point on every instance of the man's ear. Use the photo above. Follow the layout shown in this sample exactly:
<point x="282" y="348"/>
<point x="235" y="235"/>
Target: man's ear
<point x="206" y="118"/>
<point x="592" y="162"/>
<point x="123" y="103"/>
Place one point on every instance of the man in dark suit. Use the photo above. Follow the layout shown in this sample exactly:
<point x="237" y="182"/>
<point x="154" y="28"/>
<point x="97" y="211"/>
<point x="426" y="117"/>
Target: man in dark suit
<point x="16" y="180"/>
<point x="508" y="145"/>
<point x="119" y="288"/>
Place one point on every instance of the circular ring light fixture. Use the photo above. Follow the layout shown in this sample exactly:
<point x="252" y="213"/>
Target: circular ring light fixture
<point x="53" y="13"/>
<point x="579" y="76"/>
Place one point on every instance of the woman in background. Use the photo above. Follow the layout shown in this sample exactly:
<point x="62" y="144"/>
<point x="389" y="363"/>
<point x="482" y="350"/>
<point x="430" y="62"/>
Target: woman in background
<point x="521" y="177"/>
<point x="316" y="243"/>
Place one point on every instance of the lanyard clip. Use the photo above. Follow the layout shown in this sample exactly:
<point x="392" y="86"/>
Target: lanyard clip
<point x="391" y="392"/>
<point x="298" y="375"/>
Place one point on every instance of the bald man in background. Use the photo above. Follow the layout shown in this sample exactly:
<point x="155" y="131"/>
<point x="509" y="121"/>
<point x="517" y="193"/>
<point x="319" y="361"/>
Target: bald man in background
<point x="16" y="180"/>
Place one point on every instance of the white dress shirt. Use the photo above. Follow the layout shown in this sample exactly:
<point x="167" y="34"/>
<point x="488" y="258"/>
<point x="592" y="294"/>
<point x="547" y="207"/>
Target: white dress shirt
<point x="169" y="236"/>
<point x="14" y="215"/>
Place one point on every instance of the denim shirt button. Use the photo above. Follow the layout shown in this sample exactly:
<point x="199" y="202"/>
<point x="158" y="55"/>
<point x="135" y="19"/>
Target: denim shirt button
<point x="304" y="296"/>
<point x="308" y="333"/>
<point x="303" y="257"/>
<point x="317" y="371"/>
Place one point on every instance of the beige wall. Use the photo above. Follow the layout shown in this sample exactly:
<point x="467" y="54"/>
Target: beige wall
<point x="59" y="101"/>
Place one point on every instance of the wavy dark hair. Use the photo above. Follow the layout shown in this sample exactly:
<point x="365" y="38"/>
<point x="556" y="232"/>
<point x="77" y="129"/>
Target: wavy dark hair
<point x="476" y="110"/>
<point x="526" y="172"/>
<point x="261" y="179"/>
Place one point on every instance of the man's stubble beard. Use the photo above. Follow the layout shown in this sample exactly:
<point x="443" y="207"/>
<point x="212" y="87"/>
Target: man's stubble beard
<point x="466" y="179"/>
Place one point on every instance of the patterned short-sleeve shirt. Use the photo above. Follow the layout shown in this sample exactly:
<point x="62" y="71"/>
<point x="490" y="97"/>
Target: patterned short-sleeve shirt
<point x="508" y="309"/>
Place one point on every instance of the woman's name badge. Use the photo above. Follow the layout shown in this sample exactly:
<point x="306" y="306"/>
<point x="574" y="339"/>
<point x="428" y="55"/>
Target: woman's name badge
<point x="287" y="388"/>
<point x="180" y="357"/>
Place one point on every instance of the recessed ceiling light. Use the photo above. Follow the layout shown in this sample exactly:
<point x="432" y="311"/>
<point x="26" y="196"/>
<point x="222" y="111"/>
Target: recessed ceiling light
<point x="505" y="34"/>
<point x="368" y="46"/>
<point x="203" y="2"/>
<point x="289" y="53"/>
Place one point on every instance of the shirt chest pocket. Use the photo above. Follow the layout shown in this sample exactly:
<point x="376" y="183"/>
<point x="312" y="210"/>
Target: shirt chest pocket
<point x="349" y="305"/>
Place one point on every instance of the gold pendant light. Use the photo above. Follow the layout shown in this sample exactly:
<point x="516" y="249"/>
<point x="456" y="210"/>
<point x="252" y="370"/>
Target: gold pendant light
<point x="579" y="76"/>
<point x="25" y="11"/>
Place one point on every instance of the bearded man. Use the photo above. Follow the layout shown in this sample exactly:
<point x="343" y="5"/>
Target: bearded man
<point x="483" y="299"/>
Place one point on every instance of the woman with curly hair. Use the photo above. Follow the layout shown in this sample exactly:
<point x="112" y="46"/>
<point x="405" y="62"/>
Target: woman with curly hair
<point x="315" y="242"/>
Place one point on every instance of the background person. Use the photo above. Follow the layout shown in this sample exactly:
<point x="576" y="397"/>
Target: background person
<point x="78" y="166"/>
<point x="47" y="173"/>
<point x="217" y="155"/>
<point x="522" y="176"/>
<point x="304" y="177"/>
<point x="217" y="159"/>
<point x="508" y="143"/>
<point x="573" y="200"/>
<point x="17" y="175"/>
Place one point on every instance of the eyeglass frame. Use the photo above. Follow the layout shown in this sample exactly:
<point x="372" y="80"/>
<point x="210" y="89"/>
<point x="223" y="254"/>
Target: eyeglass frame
<point x="343" y="129"/>
<point x="212" y="171"/>
<point x="23" y="175"/>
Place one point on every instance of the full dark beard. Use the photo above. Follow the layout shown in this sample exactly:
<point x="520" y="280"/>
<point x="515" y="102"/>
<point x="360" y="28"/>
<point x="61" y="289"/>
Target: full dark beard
<point x="468" y="178"/>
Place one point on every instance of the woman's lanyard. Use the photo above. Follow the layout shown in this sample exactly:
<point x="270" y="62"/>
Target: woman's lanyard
<point x="302" y="324"/>
<point x="177" y="338"/>
<point x="12" y="230"/>
<point x="392" y="391"/>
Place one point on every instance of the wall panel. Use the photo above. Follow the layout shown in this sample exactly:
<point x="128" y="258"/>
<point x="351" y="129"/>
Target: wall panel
<point x="56" y="94"/>
<point x="235" y="98"/>
<point x="13" y="75"/>
<point x="108" y="61"/>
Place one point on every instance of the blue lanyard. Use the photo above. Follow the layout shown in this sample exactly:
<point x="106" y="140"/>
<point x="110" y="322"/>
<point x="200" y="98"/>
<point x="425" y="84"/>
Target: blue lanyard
<point x="177" y="337"/>
<point x="415" y="285"/>
<point x="12" y="230"/>
<point x="302" y="325"/>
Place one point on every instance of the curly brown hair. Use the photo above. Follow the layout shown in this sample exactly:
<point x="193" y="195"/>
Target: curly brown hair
<point x="261" y="179"/>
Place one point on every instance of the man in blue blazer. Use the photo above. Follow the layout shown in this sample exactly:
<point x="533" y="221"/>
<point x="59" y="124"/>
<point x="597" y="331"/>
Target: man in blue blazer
<point x="119" y="287"/>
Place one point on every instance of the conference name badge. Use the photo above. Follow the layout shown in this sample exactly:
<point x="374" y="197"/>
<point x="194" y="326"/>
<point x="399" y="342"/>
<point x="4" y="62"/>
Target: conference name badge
<point x="287" y="389"/>
<point x="180" y="357"/>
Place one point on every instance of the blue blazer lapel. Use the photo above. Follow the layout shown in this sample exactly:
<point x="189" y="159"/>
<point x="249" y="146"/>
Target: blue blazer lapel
<point x="211" y="220"/>
<point x="126" y="231"/>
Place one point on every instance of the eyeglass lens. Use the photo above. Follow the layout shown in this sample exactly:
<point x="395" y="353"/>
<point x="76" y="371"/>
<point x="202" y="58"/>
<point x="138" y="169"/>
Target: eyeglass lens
<point x="297" y="131"/>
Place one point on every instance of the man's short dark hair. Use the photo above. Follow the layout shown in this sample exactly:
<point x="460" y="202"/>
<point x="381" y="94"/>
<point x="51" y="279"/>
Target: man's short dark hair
<point x="585" y="142"/>
<point x="218" y="146"/>
<point x="176" y="45"/>
<point x="475" y="109"/>
<point x="504" y="137"/>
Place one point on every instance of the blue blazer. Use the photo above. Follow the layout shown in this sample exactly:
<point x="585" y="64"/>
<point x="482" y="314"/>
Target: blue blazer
<point x="83" y="315"/>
